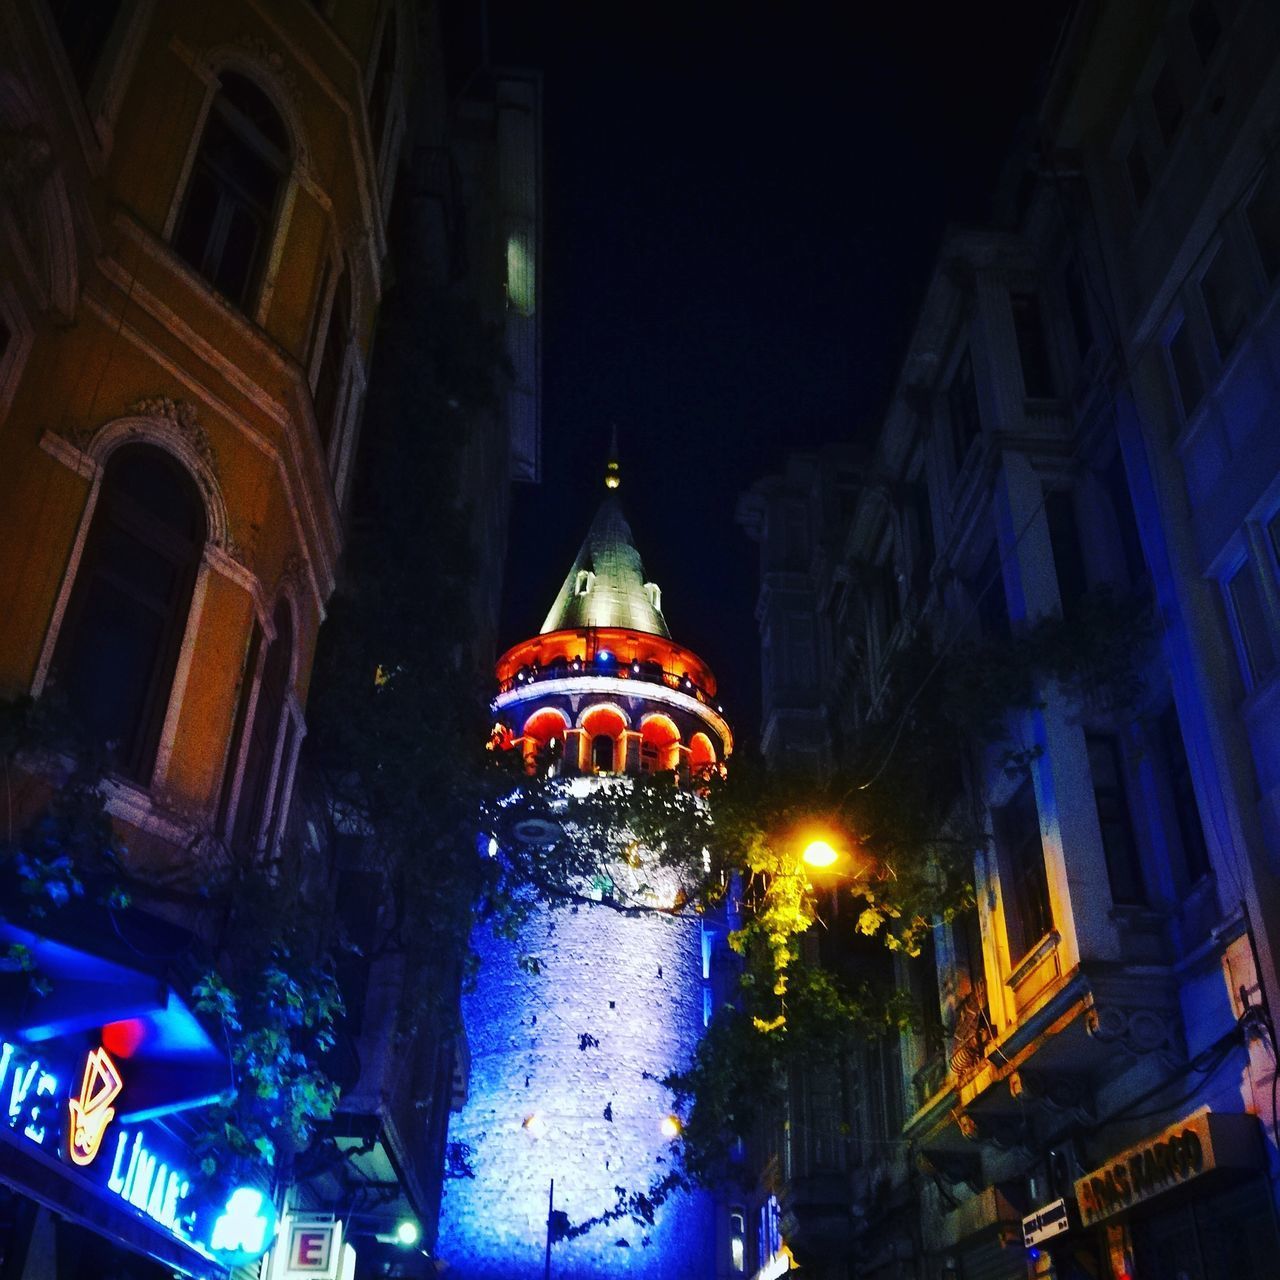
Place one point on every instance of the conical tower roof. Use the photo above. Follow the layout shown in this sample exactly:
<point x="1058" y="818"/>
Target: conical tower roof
<point x="606" y="586"/>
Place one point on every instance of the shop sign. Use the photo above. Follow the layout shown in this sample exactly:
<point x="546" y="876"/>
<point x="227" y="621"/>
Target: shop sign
<point x="310" y="1246"/>
<point x="1045" y="1223"/>
<point x="147" y="1179"/>
<point x="28" y="1095"/>
<point x="92" y="1111"/>
<point x="1186" y="1150"/>
<point x="141" y="1166"/>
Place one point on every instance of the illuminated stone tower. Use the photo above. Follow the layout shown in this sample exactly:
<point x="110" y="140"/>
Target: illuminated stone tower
<point x="565" y="1062"/>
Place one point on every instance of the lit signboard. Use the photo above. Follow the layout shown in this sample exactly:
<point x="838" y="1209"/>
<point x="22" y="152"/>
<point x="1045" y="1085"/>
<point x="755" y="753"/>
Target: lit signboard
<point x="28" y="1094"/>
<point x="1204" y="1141"/>
<point x="144" y="1168"/>
<point x="310" y="1246"/>
<point x="92" y="1111"/>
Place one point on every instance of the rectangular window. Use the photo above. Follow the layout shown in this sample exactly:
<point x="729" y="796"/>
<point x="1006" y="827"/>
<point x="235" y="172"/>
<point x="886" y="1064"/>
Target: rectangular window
<point x="1135" y="163"/>
<point x="1166" y="99"/>
<point x="1121" y="851"/>
<point x="1186" y="370"/>
<point x="1205" y="26"/>
<point x="962" y="408"/>
<point x="987" y="589"/>
<point x="800" y="651"/>
<point x="1033" y="346"/>
<point x="1116" y="483"/>
<point x="1257" y="648"/>
<point x="737" y="1241"/>
<point x="1226" y="298"/>
<point x="1064" y="538"/>
<point x="1076" y="288"/>
<point x="1195" y="853"/>
<point x="967" y="931"/>
<point x="922" y="528"/>
<point x="84" y="27"/>
<point x="1263" y="214"/>
<point x="892" y="598"/>
<point x="1016" y="827"/>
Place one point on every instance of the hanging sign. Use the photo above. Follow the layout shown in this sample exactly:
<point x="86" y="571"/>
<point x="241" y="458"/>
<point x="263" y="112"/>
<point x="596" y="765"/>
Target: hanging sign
<point x="1045" y="1223"/>
<point x="309" y="1248"/>
<point x="1203" y="1141"/>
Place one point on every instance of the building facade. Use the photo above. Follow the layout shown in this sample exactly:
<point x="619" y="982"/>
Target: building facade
<point x="1081" y="417"/>
<point x="195" y="212"/>
<point x="573" y="1024"/>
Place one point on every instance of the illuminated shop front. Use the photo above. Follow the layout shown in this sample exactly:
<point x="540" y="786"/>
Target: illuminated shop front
<point x="95" y="1161"/>
<point x="1190" y="1200"/>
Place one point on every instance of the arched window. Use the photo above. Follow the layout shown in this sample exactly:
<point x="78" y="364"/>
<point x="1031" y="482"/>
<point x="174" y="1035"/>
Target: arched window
<point x="603" y="729"/>
<point x="224" y="230"/>
<point x="702" y="755"/>
<point x="260" y="782"/>
<point x="333" y="359"/>
<point x="118" y="647"/>
<point x="542" y="729"/>
<point x="659" y="745"/>
<point x="602" y="753"/>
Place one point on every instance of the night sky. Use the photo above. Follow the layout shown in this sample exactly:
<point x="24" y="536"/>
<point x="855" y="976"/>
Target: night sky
<point x="741" y="210"/>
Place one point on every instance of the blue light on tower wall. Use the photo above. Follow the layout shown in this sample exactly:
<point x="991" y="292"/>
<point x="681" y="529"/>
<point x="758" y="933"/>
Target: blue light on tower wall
<point x="581" y="1046"/>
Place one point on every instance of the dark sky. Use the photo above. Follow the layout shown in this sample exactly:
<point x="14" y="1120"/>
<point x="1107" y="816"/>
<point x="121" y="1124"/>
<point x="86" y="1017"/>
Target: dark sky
<point x="741" y="208"/>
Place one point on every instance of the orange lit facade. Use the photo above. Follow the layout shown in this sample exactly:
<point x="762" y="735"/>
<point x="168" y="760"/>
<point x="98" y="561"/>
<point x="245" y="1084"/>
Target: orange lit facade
<point x="192" y="224"/>
<point x="193" y="212"/>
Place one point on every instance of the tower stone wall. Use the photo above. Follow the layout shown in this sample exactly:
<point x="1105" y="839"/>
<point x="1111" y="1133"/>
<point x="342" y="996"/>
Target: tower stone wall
<point x="582" y="1046"/>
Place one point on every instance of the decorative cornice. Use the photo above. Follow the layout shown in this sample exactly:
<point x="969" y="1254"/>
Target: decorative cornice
<point x="182" y="414"/>
<point x="274" y="61"/>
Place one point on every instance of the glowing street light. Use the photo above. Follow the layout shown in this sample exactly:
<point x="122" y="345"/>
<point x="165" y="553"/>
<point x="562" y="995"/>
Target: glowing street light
<point x="535" y="1125"/>
<point x="820" y="853"/>
<point x="670" y="1126"/>
<point x="408" y="1233"/>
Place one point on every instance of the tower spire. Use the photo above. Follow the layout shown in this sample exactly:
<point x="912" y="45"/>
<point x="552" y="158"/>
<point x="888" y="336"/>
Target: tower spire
<point x="612" y="475"/>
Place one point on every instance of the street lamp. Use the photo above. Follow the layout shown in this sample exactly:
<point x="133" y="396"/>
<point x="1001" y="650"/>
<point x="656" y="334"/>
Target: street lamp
<point x="820" y="853"/>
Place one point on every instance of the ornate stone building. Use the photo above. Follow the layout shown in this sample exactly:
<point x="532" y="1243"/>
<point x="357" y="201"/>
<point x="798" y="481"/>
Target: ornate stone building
<point x="194" y="211"/>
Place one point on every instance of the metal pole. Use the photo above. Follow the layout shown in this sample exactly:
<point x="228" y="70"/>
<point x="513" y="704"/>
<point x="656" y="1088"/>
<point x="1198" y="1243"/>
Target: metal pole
<point x="551" y="1204"/>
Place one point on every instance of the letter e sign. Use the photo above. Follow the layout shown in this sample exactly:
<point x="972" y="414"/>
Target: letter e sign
<point x="311" y="1248"/>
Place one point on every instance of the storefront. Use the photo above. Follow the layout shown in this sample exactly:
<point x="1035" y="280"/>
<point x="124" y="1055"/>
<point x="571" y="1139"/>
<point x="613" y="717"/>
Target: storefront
<point x="97" y="1068"/>
<point x="1192" y="1202"/>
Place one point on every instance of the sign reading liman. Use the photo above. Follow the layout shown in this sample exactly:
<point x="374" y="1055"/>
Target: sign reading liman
<point x="1202" y="1142"/>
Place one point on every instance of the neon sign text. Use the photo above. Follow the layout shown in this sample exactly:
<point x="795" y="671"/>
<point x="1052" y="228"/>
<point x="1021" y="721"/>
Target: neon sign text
<point x="22" y="1086"/>
<point x="141" y="1178"/>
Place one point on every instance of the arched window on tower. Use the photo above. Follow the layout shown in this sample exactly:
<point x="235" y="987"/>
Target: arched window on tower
<point x="603" y="727"/>
<point x="602" y="753"/>
<point x="702" y="755"/>
<point x="264" y="762"/>
<point x="118" y="647"/>
<point x="229" y="211"/>
<point x="659" y="745"/>
<point x="543" y="740"/>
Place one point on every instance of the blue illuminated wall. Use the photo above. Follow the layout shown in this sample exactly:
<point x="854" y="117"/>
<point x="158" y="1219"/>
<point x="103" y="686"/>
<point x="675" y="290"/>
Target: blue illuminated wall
<point x="618" y="1004"/>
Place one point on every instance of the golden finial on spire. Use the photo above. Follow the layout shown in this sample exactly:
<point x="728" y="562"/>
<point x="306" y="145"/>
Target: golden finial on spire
<point x="612" y="476"/>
